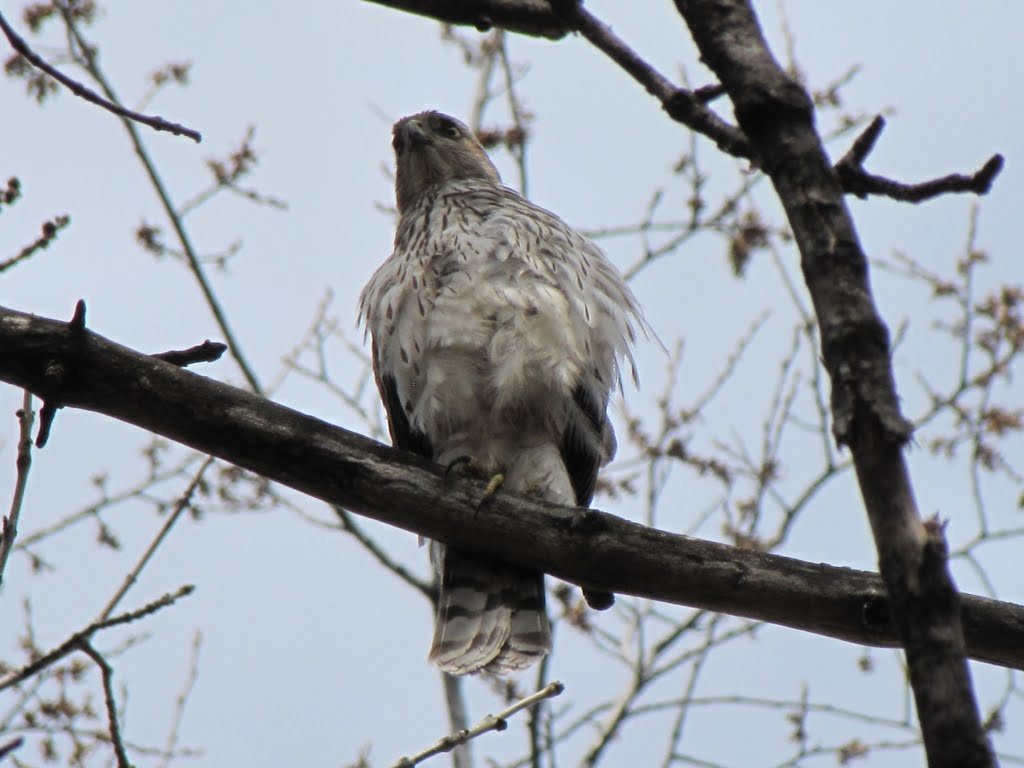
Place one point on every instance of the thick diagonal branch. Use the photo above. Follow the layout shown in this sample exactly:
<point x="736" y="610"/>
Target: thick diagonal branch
<point x="529" y="17"/>
<point x="777" y="116"/>
<point x="77" y="368"/>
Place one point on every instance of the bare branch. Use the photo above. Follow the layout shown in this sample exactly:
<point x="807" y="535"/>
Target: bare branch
<point x="458" y="717"/>
<point x="75" y="642"/>
<point x="10" y="746"/>
<point x="180" y="506"/>
<point x="857" y="181"/>
<point x="50" y="230"/>
<point x="689" y="107"/>
<point x="554" y="20"/>
<point x="157" y="123"/>
<point x="182" y="699"/>
<point x="206" y="352"/>
<point x="9" y="529"/>
<point x="528" y="17"/>
<point x="496" y="722"/>
<point x="114" y="728"/>
<point x="581" y="546"/>
<point x="777" y="116"/>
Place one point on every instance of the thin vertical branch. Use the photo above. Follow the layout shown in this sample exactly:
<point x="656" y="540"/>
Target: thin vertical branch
<point x="85" y="55"/>
<point x="108" y="696"/>
<point x="458" y="718"/>
<point x="181" y="701"/>
<point x="9" y="530"/>
<point x="180" y="506"/>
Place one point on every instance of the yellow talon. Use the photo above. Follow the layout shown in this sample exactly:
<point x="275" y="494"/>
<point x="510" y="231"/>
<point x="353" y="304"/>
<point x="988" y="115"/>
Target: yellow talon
<point x="493" y="485"/>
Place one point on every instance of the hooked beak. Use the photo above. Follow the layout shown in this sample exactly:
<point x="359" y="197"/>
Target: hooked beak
<point x="410" y="133"/>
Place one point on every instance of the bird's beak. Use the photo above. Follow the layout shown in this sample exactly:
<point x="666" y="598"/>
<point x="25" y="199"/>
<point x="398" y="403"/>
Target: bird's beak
<point x="413" y="133"/>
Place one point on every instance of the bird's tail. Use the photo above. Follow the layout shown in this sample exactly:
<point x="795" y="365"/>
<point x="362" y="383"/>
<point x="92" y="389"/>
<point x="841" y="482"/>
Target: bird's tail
<point x="490" y="616"/>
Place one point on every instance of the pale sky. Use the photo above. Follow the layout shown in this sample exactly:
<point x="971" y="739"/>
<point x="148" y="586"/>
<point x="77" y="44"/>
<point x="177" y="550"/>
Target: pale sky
<point x="311" y="651"/>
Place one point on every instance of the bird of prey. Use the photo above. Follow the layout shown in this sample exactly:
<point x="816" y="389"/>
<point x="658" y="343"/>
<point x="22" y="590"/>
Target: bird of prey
<point x="498" y="333"/>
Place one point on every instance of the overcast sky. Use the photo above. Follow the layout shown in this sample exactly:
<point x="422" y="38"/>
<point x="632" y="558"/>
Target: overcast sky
<point x="311" y="651"/>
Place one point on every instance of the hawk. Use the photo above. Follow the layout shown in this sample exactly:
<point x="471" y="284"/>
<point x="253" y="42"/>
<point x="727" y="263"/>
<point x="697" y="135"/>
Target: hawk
<point x="498" y="333"/>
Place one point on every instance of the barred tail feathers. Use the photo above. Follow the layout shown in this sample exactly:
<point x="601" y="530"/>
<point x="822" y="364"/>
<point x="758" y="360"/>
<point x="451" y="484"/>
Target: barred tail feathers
<point x="490" y="616"/>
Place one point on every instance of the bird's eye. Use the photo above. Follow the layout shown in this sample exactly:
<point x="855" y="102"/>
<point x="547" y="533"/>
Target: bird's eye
<point x="448" y="129"/>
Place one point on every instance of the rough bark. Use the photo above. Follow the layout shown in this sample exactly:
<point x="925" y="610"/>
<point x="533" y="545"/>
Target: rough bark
<point x="68" y="365"/>
<point x="777" y="116"/>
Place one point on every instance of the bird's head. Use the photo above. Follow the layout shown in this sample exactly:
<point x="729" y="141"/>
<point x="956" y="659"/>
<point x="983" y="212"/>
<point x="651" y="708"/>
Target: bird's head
<point x="432" y="148"/>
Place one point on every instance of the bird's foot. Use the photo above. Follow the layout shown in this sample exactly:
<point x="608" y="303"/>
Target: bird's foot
<point x="467" y="466"/>
<point x="461" y="466"/>
<point x="493" y="485"/>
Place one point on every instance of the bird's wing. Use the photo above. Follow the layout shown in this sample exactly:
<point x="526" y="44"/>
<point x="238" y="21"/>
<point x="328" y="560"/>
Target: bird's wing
<point x="402" y="434"/>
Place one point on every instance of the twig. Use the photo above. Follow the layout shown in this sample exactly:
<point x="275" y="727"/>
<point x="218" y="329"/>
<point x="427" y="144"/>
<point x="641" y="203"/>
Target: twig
<point x="75" y="642"/>
<point x="519" y="116"/>
<point x="181" y="701"/>
<point x="857" y="181"/>
<point x="10" y="746"/>
<point x="57" y="376"/>
<point x="157" y="123"/>
<point x="180" y="506"/>
<point x="206" y="352"/>
<point x="108" y="696"/>
<point x="50" y="230"/>
<point x="497" y="722"/>
<point x="9" y="530"/>
<point x="534" y="723"/>
<point x="458" y="717"/>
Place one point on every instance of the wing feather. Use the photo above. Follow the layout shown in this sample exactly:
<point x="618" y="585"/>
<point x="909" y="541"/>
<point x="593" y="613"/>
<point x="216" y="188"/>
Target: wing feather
<point x="584" y="445"/>
<point x="402" y="434"/>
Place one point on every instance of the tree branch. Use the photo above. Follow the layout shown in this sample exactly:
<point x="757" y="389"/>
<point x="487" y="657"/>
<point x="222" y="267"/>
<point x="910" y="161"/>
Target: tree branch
<point x="113" y="726"/>
<point x="554" y="18"/>
<point x="581" y="546"/>
<point x="77" y="640"/>
<point x="777" y="116"/>
<point x="10" y="746"/>
<point x="528" y="17"/>
<point x="9" y="527"/>
<point x="37" y="61"/>
<point x="206" y="352"/>
<point x="50" y="230"/>
<point x="857" y="181"/>
<point x="498" y="722"/>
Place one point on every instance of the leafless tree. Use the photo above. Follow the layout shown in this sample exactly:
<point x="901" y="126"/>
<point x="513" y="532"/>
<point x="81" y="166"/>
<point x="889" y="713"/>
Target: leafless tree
<point x="689" y="599"/>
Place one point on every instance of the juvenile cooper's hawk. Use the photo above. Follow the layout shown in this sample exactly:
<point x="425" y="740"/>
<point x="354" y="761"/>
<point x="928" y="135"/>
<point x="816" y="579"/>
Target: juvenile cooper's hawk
<point x="497" y="336"/>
